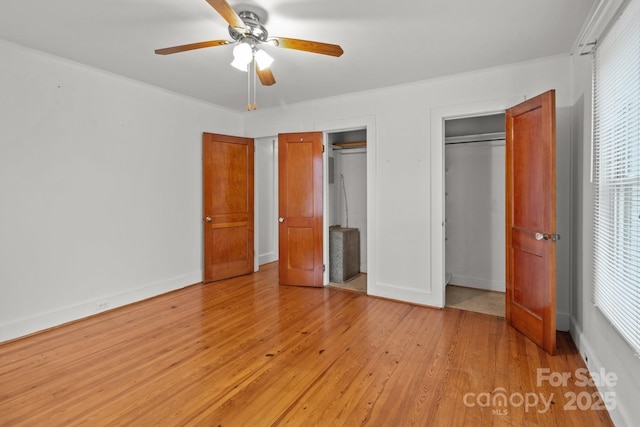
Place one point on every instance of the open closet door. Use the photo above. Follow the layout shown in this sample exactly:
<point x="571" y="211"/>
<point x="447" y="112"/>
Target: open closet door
<point x="300" y="206"/>
<point x="531" y="219"/>
<point x="227" y="202"/>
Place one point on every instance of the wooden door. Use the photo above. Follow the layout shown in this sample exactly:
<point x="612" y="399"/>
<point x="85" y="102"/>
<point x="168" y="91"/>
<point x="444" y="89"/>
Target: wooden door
<point x="227" y="164"/>
<point x="300" y="208"/>
<point x="531" y="219"/>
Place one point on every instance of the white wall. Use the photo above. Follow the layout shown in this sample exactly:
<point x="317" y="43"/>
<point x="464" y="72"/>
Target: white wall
<point x="352" y="165"/>
<point x="599" y="344"/>
<point x="100" y="189"/>
<point x="399" y="161"/>
<point x="334" y="189"/>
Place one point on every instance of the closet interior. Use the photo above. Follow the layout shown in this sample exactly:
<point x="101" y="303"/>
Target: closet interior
<point x="347" y="194"/>
<point x="475" y="203"/>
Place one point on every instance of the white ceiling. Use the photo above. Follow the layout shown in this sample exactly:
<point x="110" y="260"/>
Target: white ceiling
<point x="385" y="43"/>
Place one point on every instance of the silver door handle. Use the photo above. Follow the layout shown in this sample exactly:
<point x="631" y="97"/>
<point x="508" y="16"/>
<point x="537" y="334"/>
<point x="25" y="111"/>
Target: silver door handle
<point x="281" y="219"/>
<point x="546" y="236"/>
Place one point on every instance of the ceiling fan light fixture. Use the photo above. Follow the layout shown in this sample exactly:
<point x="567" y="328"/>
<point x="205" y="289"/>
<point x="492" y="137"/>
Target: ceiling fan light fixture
<point x="240" y="65"/>
<point x="263" y="59"/>
<point x="247" y="32"/>
<point x="243" y="53"/>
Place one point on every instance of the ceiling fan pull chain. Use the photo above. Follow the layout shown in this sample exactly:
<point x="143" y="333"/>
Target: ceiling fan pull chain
<point x="255" y="77"/>
<point x="248" y="88"/>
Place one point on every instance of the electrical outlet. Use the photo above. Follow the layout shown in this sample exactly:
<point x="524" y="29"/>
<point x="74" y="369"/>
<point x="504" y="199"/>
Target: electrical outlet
<point x="586" y="360"/>
<point x="102" y="305"/>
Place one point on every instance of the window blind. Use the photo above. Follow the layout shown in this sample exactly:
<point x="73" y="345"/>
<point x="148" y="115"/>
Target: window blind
<point x="616" y="93"/>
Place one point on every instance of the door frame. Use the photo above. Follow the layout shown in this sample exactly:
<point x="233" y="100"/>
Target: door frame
<point x="367" y="122"/>
<point x="357" y="123"/>
<point x="272" y="215"/>
<point x="436" y="293"/>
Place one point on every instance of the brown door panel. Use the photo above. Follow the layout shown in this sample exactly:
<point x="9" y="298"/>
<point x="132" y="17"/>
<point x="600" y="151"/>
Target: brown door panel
<point x="300" y="206"/>
<point x="531" y="212"/>
<point x="227" y="206"/>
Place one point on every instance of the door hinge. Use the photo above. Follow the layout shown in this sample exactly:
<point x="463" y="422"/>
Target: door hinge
<point x="324" y="268"/>
<point x="323" y="148"/>
<point x="555" y="237"/>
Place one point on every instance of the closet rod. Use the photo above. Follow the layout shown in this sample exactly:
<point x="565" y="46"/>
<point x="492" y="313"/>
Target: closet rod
<point x="467" y="139"/>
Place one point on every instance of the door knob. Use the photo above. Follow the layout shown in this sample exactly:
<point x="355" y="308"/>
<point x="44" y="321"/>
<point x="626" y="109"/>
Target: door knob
<point x="208" y="219"/>
<point x="547" y="236"/>
<point x="281" y="219"/>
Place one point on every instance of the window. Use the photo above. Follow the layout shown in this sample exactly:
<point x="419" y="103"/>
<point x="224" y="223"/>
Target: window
<point x="616" y="93"/>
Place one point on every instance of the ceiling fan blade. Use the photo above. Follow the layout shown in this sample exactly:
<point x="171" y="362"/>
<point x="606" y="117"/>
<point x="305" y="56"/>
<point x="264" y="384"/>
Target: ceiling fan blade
<point x="307" y="46"/>
<point x="226" y="11"/>
<point x="266" y="76"/>
<point x="191" y="46"/>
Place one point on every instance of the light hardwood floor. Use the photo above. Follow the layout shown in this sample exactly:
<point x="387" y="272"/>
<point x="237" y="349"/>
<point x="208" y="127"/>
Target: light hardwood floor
<point x="247" y="352"/>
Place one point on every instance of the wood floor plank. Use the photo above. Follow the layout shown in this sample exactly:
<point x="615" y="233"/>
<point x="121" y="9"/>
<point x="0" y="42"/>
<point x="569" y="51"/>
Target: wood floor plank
<point x="246" y="351"/>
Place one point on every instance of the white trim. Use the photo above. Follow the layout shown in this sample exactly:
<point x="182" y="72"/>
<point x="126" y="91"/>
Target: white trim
<point x="367" y="122"/>
<point x="477" y="283"/>
<point x="273" y="254"/>
<point x="600" y="19"/>
<point x="438" y="116"/>
<point x="620" y="415"/>
<point x="51" y="319"/>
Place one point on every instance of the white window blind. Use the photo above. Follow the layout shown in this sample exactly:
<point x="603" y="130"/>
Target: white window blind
<point x="616" y="93"/>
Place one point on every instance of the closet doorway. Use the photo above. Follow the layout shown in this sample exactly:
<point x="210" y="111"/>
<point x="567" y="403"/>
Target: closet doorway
<point x="347" y="209"/>
<point x="475" y="213"/>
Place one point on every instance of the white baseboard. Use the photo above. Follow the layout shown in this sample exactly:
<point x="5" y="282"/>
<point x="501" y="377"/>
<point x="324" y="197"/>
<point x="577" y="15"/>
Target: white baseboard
<point x="619" y="416"/>
<point x="563" y="321"/>
<point x="267" y="258"/>
<point x="478" y="283"/>
<point x="64" y="315"/>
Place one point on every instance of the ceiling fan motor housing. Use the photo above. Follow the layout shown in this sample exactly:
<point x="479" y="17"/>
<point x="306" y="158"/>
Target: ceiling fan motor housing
<point x="254" y="29"/>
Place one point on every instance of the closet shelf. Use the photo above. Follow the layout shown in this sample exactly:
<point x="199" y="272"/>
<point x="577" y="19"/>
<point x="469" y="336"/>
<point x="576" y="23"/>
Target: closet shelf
<point x="355" y="144"/>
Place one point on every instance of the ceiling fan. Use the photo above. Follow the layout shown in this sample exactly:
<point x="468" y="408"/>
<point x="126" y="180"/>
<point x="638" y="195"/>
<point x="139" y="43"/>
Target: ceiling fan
<point x="248" y="33"/>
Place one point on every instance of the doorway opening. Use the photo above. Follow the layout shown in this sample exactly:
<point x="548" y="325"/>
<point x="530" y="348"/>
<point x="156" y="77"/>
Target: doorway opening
<point x="266" y="201"/>
<point x="346" y="194"/>
<point x="474" y="212"/>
